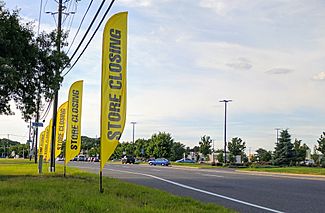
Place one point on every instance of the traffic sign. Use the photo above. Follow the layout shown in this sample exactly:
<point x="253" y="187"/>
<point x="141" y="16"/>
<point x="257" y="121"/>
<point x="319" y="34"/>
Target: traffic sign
<point x="37" y="124"/>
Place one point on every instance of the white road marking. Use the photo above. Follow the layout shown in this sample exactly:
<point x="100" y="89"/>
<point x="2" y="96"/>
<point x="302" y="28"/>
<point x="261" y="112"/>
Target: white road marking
<point x="157" y="170"/>
<point x="200" y="190"/>
<point x="211" y="175"/>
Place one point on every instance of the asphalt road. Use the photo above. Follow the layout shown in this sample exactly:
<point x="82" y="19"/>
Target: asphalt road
<point x="244" y="192"/>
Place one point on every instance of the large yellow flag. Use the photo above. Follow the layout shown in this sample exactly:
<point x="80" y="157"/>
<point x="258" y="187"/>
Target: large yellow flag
<point x="41" y="143"/>
<point x="73" y="141"/>
<point x="60" y="127"/>
<point x="113" y="90"/>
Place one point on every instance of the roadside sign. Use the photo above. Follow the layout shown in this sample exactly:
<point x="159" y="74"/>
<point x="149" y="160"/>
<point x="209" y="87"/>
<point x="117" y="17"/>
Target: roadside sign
<point x="37" y="124"/>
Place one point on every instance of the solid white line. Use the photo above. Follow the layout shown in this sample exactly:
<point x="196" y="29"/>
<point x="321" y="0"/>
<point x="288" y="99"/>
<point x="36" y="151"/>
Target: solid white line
<point x="200" y="190"/>
<point x="211" y="175"/>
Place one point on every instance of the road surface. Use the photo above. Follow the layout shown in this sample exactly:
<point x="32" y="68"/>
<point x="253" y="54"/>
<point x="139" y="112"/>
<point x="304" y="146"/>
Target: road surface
<point x="244" y="192"/>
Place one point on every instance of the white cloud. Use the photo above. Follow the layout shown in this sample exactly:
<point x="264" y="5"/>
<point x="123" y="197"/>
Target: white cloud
<point x="319" y="77"/>
<point x="240" y="64"/>
<point x="279" y="71"/>
<point x="136" y="3"/>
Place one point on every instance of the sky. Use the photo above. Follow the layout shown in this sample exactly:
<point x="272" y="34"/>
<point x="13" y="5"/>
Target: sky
<point x="185" y="56"/>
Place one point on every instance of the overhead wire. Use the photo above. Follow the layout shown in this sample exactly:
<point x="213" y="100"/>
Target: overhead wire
<point x="89" y="27"/>
<point x="47" y="110"/>
<point x="82" y="20"/>
<point x="101" y="21"/>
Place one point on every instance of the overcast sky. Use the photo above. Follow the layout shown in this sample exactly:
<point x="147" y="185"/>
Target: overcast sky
<point x="185" y="56"/>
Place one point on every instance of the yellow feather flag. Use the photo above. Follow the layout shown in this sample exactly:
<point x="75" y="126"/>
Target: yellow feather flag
<point x="48" y="154"/>
<point x="41" y="143"/>
<point x="73" y="141"/>
<point x="113" y="88"/>
<point x="61" y="121"/>
<point x="46" y="143"/>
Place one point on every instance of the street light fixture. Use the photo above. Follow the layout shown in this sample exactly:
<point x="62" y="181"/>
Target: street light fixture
<point x="225" y="128"/>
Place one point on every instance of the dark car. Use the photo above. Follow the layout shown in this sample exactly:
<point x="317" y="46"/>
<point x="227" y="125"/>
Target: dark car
<point x="159" y="161"/>
<point x="185" y="161"/>
<point x="128" y="159"/>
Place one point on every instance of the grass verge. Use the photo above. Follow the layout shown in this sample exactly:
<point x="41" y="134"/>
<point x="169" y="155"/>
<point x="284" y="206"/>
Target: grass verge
<point x="292" y="170"/>
<point x="23" y="190"/>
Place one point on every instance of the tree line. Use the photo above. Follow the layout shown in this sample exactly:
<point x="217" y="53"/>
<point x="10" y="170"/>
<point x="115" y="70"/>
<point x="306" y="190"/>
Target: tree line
<point x="162" y="144"/>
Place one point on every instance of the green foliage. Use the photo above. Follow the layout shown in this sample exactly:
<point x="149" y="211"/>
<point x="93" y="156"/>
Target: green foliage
<point x="7" y="146"/>
<point x="236" y="146"/>
<point x="284" y="154"/>
<point x="140" y="148"/>
<point x="177" y="151"/>
<point x="263" y="155"/>
<point x="299" y="151"/>
<point x="220" y="157"/>
<point x="28" y="64"/>
<point x="160" y="145"/>
<point x="321" y="144"/>
<point x="205" y="145"/>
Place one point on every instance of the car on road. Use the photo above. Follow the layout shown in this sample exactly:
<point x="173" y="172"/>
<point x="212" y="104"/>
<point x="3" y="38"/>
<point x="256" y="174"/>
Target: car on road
<point x="81" y="158"/>
<point x="128" y="159"/>
<point x="159" y="161"/>
<point x="185" y="161"/>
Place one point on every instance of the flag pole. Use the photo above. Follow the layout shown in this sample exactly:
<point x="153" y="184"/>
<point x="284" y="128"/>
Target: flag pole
<point x="101" y="189"/>
<point x="64" y="169"/>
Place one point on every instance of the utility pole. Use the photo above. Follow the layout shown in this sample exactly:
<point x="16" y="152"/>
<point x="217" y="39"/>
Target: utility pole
<point x="55" y="101"/>
<point x="225" y="129"/>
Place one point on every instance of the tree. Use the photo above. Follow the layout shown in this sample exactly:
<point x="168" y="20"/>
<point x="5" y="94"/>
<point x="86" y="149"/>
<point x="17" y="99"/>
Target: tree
<point x="28" y="64"/>
<point x="160" y="145"/>
<point x="284" y="154"/>
<point x="205" y="145"/>
<point x="263" y="155"/>
<point x="177" y="151"/>
<point x="220" y="155"/>
<point x="299" y="151"/>
<point x="236" y="146"/>
<point x="321" y="144"/>
<point x="140" y="148"/>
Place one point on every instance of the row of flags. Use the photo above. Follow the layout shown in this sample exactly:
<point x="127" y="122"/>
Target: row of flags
<point x="113" y="100"/>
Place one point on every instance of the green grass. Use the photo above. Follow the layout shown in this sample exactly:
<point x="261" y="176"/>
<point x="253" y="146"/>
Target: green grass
<point x="23" y="190"/>
<point x="292" y="170"/>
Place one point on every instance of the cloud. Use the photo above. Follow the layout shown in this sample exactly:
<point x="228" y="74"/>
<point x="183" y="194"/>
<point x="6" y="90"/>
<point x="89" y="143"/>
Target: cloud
<point x="279" y="71"/>
<point x="138" y="3"/>
<point x="217" y="6"/>
<point x="319" y="77"/>
<point x="240" y="64"/>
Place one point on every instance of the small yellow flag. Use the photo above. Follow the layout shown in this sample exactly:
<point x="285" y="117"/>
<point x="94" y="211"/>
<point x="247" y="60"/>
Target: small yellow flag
<point x="41" y="143"/>
<point x="113" y="88"/>
<point x="48" y="155"/>
<point x="46" y="143"/>
<point x="61" y="121"/>
<point x="73" y="141"/>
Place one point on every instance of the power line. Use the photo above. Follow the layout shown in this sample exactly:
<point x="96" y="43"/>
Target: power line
<point x="101" y="21"/>
<point x="82" y="20"/>
<point x="89" y="27"/>
<point x="47" y="110"/>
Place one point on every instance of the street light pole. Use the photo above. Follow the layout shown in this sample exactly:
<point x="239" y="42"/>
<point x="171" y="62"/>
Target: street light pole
<point x="225" y="128"/>
<point x="277" y="135"/>
<point x="133" y="124"/>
